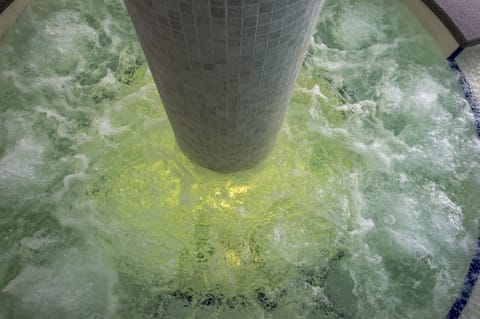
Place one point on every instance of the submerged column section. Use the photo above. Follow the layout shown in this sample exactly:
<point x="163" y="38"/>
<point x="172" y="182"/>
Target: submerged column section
<point x="225" y="70"/>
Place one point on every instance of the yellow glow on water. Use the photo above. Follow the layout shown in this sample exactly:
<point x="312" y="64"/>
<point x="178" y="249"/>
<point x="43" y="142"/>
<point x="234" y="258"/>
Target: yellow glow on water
<point x="206" y="231"/>
<point x="232" y="258"/>
<point x="239" y="189"/>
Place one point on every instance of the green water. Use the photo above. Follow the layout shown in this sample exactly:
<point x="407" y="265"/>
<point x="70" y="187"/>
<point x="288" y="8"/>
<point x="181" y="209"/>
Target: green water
<point x="367" y="208"/>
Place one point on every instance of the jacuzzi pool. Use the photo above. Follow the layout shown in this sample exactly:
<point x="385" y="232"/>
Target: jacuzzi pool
<point x="367" y="208"/>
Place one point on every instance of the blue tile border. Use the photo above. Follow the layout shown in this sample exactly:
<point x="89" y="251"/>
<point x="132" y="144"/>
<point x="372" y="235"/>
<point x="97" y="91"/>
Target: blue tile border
<point x="474" y="270"/>
<point x="468" y="286"/>
<point x="455" y="53"/>
<point x="467" y="90"/>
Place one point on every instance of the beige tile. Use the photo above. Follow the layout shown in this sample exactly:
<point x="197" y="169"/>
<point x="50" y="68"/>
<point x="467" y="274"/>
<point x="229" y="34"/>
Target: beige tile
<point x="432" y="23"/>
<point x="8" y="18"/>
<point x="20" y="5"/>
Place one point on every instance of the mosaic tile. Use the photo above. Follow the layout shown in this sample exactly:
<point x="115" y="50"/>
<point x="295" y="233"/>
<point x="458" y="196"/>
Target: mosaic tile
<point x="225" y="70"/>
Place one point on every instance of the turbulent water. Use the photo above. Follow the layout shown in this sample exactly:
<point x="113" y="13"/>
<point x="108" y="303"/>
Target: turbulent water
<point x="367" y="208"/>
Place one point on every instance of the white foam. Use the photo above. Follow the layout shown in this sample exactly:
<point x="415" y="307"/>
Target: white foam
<point x="105" y="128"/>
<point x="20" y="163"/>
<point x="65" y="28"/>
<point x="39" y="241"/>
<point x="50" y="113"/>
<point x="357" y="26"/>
<point x="71" y="285"/>
<point x="79" y="175"/>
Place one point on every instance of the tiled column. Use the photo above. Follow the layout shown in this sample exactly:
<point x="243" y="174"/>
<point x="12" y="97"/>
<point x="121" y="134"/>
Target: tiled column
<point x="225" y="70"/>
